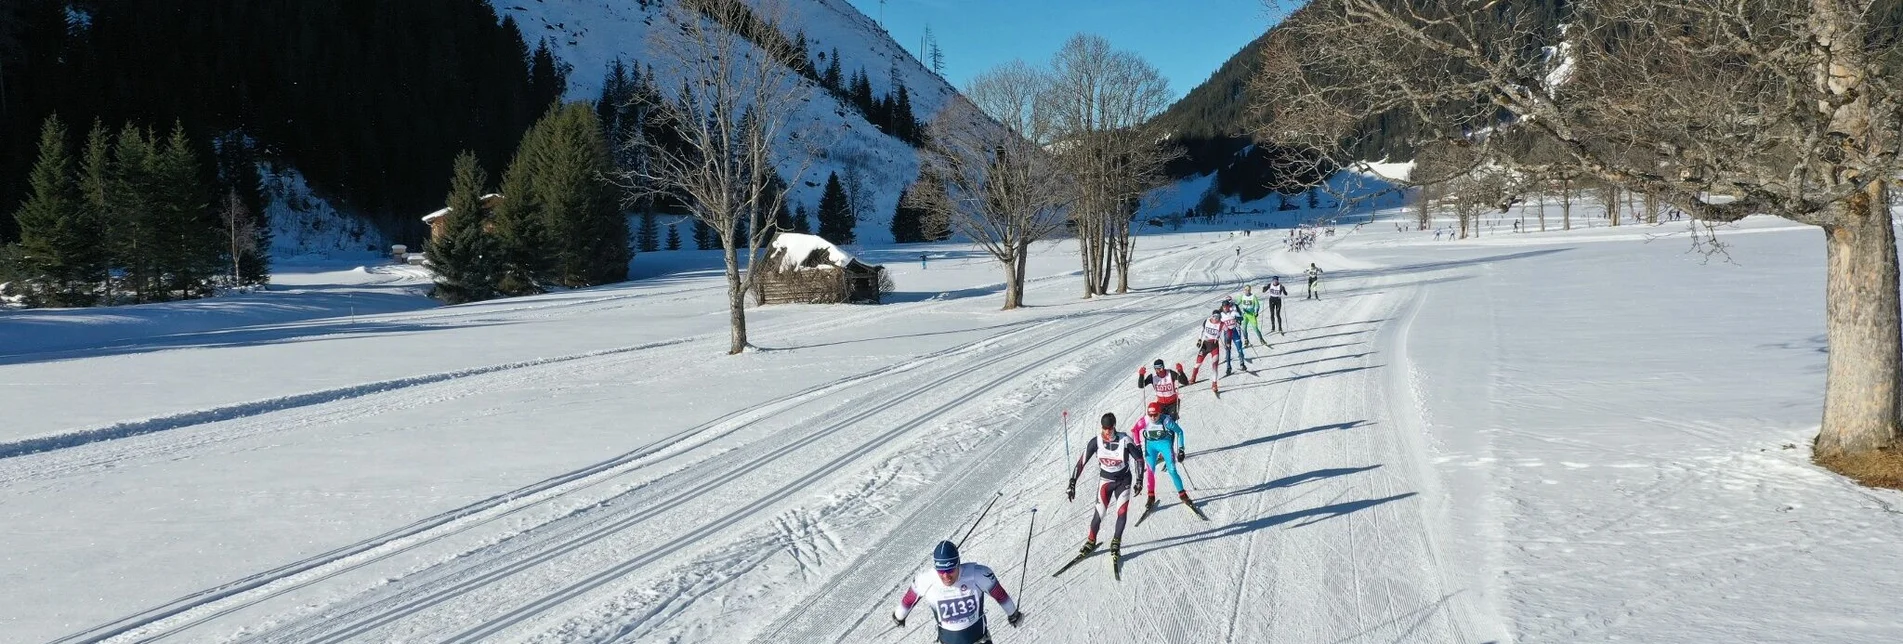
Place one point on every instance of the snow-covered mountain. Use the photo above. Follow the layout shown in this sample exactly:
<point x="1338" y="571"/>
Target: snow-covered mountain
<point x="588" y="35"/>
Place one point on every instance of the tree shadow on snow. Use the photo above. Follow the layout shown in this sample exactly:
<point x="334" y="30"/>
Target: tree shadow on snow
<point x="331" y="329"/>
<point x="1291" y="480"/>
<point x="1300" y="519"/>
<point x="1345" y="356"/>
<point x="1260" y="440"/>
<point x="1305" y="376"/>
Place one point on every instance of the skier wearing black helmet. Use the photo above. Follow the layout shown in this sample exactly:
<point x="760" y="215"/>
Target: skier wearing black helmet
<point x="1119" y="468"/>
<point x="955" y="591"/>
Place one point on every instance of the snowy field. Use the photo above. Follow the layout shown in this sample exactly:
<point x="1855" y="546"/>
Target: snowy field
<point x="1581" y="436"/>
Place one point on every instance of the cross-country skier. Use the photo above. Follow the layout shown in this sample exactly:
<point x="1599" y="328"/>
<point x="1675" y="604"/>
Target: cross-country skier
<point x="1314" y="275"/>
<point x="1165" y="382"/>
<point x="1208" y="344"/>
<point x="1119" y="467"/>
<point x="1163" y="442"/>
<point x="956" y="591"/>
<point x="1251" y="311"/>
<point x="1232" y="338"/>
<point x="1276" y="292"/>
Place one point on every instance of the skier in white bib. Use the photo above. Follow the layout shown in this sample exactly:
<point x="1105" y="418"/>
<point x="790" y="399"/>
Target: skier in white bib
<point x="1208" y="344"/>
<point x="1119" y="468"/>
<point x="956" y="592"/>
<point x="1276" y="292"/>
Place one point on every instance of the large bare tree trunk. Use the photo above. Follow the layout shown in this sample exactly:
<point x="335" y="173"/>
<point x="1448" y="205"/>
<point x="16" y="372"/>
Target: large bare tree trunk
<point x="1542" y="208"/>
<point x="1014" y="277"/>
<point x="1861" y="321"/>
<point x="1566" y="203"/>
<point x="1426" y="217"/>
<point x="736" y="303"/>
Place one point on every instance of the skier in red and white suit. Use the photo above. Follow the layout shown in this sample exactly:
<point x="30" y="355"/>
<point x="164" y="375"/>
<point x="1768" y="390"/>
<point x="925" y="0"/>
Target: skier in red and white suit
<point x="1165" y="383"/>
<point x="1120" y="467"/>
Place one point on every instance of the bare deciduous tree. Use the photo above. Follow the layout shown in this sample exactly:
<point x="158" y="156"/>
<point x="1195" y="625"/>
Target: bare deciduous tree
<point x="1002" y="191"/>
<point x="734" y="102"/>
<point x="1099" y="100"/>
<point x="1720" y="108"/>
<point x="241" y="232"/>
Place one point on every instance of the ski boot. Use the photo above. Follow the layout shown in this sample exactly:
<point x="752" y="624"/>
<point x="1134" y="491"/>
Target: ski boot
<point x="1116" y="554"/>
<point x="1150" y="504"/>
<point x="1090" y="546"/>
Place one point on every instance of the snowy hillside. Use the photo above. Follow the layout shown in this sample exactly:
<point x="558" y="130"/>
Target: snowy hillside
<point x="589" y="34"/>
<point x="1582" y="436"/>
<point x="303" y="223"/>
<point x="1346" y="195"/>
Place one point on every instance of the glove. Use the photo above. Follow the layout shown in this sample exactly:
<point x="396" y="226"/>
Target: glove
<point x="1070" y="493"/>
<point x="1181" y="456"/>
<point x="1014" y="618"/>
<point x="1143" y="371"/>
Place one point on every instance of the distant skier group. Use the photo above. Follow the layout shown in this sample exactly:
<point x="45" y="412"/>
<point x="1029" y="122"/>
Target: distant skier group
<point x="1126" y="464"/>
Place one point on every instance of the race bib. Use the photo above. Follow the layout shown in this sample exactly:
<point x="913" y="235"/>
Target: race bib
<point x="957" y="610"/>
<point x="1156" y="435"/>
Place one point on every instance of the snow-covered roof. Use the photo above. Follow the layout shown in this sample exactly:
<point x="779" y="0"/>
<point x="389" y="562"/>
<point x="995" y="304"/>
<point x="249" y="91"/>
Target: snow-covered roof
<point x="438" y="214"/>
<point x="798" y="247"/>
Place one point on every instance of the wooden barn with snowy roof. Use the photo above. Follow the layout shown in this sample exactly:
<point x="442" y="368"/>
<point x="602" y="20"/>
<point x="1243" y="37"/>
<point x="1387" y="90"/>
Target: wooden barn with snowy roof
<point x="805" y="269"/>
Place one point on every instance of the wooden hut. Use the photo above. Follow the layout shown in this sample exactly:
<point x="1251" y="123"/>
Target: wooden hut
<point x="439" y="221"/>
<point x="804" y="269"/>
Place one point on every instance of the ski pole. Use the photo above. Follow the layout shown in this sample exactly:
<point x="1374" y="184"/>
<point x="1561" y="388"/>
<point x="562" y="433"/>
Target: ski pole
<point x="981" y="517"/>
<point x="1066" y="436"/>
<point x="1027" y="555"/>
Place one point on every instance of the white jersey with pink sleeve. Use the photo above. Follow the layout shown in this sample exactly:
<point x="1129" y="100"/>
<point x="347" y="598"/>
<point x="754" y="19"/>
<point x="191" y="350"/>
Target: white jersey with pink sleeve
<point x="960" y="605"/>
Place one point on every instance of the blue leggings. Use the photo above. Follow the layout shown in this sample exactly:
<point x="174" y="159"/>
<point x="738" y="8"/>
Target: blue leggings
<point x="1161" y="452"/>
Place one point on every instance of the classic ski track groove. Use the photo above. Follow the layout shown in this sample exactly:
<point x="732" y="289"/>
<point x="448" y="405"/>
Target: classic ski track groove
<point x="547" y="490"/>
<point x="390" y="616"/>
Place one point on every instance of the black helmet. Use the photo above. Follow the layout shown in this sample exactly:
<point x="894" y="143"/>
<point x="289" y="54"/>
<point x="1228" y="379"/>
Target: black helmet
<point x="1109" y="420"/>
<point x="1158" y="364"/>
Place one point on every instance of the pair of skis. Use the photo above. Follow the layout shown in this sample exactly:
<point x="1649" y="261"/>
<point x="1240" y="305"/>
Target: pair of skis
<point x="1116" y="553"/>
<point x="1116" y="562"/>
<point x="1150" y="509"/>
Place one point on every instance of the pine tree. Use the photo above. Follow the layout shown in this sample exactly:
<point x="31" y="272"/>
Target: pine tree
<point x="831" y="79"/>
<point x="836" y="220"/>
<point x="704" y="236"/>
<point x="521" y="232"/>
<point x="649" y="237"/>
<point x="673" y="237"/>
<point x="905" y="221"/>
<point x="905" y="125"/>
<point x="187" y="236"/>
<point x="95" y="190"/>
<point x="126" y="202"/>
<point x="58" y="241"/>
<point x="465" y="258"/>
<point x="588" y="234"/>
<point x="862" y="93"/>
<point x="802" y="223"/>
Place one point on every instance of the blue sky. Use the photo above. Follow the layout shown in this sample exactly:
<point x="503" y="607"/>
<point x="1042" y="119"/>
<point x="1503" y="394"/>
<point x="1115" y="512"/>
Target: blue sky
<point x="1185" y="39"/>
